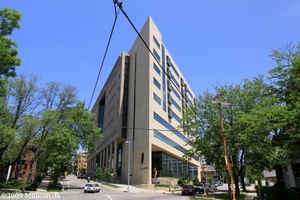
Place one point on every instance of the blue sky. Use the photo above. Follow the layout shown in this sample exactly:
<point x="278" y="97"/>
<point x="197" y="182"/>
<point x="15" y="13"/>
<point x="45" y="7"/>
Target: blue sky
<point x="213" y="42"/>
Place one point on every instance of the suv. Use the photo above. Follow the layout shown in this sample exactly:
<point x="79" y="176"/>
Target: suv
<point x="199" y="188"/>
<point x="188" y="189"/>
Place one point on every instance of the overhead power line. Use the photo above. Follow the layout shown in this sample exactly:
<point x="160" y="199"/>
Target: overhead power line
<point x="105" y="53"/>
<point x="120" y="5"/>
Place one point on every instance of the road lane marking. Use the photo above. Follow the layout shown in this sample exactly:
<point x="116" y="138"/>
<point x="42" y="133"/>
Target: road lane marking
<point x="109" y="197"/>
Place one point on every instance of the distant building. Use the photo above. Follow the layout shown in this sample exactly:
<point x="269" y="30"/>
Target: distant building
<point x="81" y="162"/>
<point x="139" y="103"/>
<point x="26" y="168"/>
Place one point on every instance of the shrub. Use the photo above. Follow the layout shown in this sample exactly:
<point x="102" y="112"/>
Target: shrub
<point x="107" y="174"/>
<point x="278" y="193"/>
<point x="99" y="173"/>
<point x="196" y="181"/>
<point x="34" y="185"/>
<point x="13" y="184"/>
<point x="54" y="186"/>
<point x="182" y="181"/>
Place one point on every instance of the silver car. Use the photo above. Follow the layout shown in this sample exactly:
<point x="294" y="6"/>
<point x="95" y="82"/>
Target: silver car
<point x="91" y="187"/>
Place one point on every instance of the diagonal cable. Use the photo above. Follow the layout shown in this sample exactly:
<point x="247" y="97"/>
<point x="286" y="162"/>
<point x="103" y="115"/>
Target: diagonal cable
<point x="104" y="56"/>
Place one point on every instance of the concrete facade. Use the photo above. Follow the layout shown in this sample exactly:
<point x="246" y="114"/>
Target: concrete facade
<point x="141" y="103"/>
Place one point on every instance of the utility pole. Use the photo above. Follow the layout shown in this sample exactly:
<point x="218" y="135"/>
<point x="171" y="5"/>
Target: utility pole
<point x="227" y="163"/>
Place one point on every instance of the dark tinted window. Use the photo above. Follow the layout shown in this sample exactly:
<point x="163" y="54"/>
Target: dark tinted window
<point x="156" y="98"/>
<point x="156" y="83"/>
<point x="169" y="126"/>
<point x="156" y="42"/>
<point x="156" y="55"/>
<point x="156" y="68"/>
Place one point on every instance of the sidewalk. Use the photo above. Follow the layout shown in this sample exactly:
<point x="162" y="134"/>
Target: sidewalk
<point x="133" y="189"/>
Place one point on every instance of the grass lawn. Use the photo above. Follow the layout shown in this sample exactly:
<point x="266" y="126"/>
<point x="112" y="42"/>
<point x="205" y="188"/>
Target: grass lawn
<point x="109" y="184"/>
<point x="223" y="196"/>
<point x="7" y="192"/>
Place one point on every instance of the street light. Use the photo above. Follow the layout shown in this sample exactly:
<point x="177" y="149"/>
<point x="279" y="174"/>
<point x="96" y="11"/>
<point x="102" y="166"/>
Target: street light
<point x="128" y="142"/>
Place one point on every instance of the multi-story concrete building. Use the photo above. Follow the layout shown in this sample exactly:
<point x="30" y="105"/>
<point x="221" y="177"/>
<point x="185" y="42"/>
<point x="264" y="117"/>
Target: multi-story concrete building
<point x="143" y="103"/>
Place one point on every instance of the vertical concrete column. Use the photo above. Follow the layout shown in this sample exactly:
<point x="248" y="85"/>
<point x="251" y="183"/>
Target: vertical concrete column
<point x="105" y="161"/>
<point x="115" y="156"/>
<point x="111" y="155"/>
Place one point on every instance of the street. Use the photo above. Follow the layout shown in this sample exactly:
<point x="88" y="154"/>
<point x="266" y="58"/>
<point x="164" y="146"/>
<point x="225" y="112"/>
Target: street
<point x="74" y="193"/>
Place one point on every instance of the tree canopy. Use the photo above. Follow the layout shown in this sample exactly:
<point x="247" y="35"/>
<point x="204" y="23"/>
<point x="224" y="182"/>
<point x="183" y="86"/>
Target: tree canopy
<point x="9" y="21"/>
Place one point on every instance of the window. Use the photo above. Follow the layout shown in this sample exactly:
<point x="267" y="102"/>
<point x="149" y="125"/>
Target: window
<point x="156" y="98"/>
<point x="174" y="103"/>
<point x="170" y="166"/>
<point x="170" y="64"/>
<point x="156" y="68"/>
<point x="174" y="91"/>
<point x="142" y="158"/>
<point x="164" y="79"/>
<point x="163" y="122"/>
<point x="174" y="80"/>
<point x="156" y="42"/>
<point x="156" y="83"/>
<point x="175" y="116"/>
<point x="168" y="141"/>
<point x="156" y="55"/>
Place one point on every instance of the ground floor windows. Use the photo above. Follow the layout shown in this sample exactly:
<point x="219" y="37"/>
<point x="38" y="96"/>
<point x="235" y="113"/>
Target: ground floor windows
<point x="168" y="166"/>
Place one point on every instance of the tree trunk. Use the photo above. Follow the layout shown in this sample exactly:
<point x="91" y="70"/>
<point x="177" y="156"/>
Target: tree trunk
<point x="229" y="187"/>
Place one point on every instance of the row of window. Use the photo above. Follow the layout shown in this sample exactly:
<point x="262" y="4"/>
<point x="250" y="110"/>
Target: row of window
<point x="173" y="90"/>
<point x="156" y="42"/>
<point x="177" y="168"/>
<point x="174" y="103"/>
<point x="164" y="79"/>
<point x="168" y="126"/>
<point x="156" y="55"/>
<point x="174" y="80"/>
<point x="156" y="98"/>
<point x="172" y="113"/>
<point x="171" y="65"/>
<point x="168" y="141"/>
<point x="156" y="68"/>
<point x="156" y="83"/>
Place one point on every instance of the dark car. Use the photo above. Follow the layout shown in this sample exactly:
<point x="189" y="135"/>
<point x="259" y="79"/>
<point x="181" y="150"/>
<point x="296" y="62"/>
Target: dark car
<point x="199" y="188"/>
<point x="188" y="189"/>
<point x="82" y="176"/>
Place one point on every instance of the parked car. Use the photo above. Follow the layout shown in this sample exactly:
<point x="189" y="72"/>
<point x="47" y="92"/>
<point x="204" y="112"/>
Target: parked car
<point x="82" y="176"/>
<point x="199" y="188"/>
<point x="91" y="187"/>
<point x="188" y="189"/>
<point x="210" y="187"/>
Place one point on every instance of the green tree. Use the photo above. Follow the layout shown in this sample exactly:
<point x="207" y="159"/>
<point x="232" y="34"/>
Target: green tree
<point x="9" y="21"/>
<point x="196" y="181"/>
<point x="202" y="123"/>
<point x="51" y="119"/>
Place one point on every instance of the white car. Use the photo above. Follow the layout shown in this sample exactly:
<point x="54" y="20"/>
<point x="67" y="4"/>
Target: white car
<point x="91" y="187"/>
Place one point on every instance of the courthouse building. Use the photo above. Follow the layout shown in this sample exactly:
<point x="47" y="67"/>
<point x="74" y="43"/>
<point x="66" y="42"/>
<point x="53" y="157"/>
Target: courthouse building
<point x="139" y="103"/>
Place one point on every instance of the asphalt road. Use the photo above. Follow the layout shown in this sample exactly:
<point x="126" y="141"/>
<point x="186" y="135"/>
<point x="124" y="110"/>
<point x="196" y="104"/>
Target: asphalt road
<point x="74" y="193"/>
<point x="106" y="194"/>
